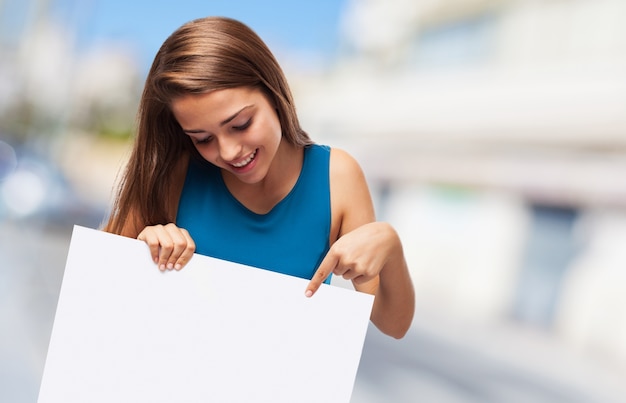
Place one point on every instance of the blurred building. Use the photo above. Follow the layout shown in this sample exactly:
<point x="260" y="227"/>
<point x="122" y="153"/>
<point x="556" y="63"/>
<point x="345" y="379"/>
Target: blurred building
<point x="63" y="105"/>
<point x="494" y="135"/>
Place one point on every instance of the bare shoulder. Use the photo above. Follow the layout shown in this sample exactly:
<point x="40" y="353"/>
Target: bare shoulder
<point x="343" y="165"/>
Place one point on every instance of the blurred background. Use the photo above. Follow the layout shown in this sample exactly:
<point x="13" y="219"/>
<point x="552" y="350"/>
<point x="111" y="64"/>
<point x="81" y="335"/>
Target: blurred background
<point x="492" y="133"/>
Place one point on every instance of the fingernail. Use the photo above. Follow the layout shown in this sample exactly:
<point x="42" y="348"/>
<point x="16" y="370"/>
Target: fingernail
<point x="308" y="293"/>
<point x="178" y="267"/>
<point x="162" y="267"/>
<point x="170" y="266"/>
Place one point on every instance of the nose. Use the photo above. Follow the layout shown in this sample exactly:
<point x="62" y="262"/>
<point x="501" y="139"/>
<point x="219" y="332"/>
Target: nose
<point x="229" y="148"/>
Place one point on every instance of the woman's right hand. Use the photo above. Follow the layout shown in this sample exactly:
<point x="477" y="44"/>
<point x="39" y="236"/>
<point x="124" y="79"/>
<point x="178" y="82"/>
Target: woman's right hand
<point x="171" y="247"/>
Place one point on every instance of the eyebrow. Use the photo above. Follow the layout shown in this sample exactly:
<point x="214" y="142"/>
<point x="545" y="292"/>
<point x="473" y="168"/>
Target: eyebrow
<point x="227" y="120"/>
<point x="223" y="122"/>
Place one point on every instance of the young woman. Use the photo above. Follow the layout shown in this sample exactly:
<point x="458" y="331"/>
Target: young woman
<point x="221" y="167"/>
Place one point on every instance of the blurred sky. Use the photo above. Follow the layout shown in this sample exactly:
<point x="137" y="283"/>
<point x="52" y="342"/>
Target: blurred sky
<point x="286" y="25"/>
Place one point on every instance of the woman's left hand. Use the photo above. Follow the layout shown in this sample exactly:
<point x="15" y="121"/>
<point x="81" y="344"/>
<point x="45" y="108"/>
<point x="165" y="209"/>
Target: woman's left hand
<point x="358" y="256"/>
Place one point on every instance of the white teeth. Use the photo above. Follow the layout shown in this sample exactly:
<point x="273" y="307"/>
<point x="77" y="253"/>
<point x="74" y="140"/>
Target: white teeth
<point x="246" y="161"/>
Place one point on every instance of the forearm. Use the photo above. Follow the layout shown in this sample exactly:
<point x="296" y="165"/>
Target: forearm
<point x="394" y="303"/>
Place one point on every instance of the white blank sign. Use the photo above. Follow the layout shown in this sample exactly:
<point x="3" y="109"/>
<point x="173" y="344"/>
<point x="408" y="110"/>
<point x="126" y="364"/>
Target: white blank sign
<point x="215" y="331"/>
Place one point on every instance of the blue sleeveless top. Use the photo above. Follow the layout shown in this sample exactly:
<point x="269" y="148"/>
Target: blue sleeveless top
<point x="292" y="238"/>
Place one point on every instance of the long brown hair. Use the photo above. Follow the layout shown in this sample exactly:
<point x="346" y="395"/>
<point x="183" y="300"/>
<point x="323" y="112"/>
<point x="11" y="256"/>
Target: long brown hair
<point x="203" y="55"/>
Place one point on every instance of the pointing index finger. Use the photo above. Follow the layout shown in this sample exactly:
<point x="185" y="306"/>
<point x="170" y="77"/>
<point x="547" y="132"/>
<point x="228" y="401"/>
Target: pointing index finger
<point x="321" y="274"/>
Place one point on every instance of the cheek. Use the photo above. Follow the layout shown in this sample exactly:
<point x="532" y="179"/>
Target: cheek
<point x="207" y="152"/>
<point x="266" y="132"/>
<point x="275" y="128"/>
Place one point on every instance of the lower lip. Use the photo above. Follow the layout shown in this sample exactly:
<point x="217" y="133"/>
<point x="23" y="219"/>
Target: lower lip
<point x="249" y="167"/>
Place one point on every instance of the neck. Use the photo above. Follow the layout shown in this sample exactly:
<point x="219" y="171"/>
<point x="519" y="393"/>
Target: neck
<point x="282" y="176"/>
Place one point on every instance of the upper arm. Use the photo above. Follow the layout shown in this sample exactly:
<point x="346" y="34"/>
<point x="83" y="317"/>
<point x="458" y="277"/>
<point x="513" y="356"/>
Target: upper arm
<point x="133" y="221"/>
<point x="131" y="225"/>
<point x="351" y="202"/>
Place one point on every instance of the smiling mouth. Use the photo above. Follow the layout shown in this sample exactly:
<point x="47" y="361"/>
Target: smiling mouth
<point x="246" y="161"/>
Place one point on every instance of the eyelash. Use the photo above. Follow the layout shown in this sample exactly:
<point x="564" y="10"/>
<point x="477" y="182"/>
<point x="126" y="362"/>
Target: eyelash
<point x="243" y="126"/>
<point x="204" y="140"/>
<point x="237" y="128"/>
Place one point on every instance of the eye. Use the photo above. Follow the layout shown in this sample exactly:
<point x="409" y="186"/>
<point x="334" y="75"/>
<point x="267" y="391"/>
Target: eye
<point x="205" y="140"/>
<point x="243" y="126"/>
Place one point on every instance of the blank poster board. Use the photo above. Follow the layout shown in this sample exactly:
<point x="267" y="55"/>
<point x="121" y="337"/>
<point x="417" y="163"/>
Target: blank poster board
<point x="215" y="331"/>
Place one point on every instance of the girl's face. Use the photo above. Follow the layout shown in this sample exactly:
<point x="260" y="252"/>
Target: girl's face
<point x="235" y="129"/>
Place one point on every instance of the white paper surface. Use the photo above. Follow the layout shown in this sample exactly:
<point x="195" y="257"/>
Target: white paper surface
<point x="215" y="331"/>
